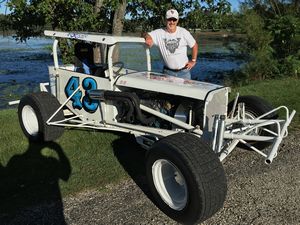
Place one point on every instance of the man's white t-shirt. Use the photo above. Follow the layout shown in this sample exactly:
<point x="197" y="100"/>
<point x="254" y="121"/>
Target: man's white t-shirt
<point x="173" y="46"/>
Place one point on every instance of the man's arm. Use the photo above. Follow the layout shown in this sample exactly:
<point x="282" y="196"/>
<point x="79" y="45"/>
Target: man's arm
<point x="192" y="63"/>
<point x="195" y="52"/>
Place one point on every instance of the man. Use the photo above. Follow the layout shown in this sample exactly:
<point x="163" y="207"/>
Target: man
<point x="172" y="42"/>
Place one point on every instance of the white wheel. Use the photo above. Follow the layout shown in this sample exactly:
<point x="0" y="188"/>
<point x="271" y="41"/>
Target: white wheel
<point x="251" y="116"/>
<point x="170" y="184"/>
<point x="30" y="120"/>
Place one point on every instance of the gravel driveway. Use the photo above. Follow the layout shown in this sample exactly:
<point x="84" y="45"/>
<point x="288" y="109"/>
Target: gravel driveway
<point x="257" y="194"/>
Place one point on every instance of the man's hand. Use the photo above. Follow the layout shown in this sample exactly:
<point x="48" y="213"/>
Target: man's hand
<point x="148" y="40"/>
<point x="190" y="64"/>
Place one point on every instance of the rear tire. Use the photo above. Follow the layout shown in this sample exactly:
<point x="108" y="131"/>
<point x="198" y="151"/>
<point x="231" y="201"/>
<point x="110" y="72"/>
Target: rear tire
<point x="34" y="110"/>
<point x="255" y="107"/>
<point x="186" y="178"/>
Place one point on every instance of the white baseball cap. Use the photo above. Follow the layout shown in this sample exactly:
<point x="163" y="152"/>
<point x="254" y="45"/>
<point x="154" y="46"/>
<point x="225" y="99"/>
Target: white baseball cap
<point x="172" y="13"/>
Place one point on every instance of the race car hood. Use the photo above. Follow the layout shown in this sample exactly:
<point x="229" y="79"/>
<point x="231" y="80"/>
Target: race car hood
<point x="166" y="84"/>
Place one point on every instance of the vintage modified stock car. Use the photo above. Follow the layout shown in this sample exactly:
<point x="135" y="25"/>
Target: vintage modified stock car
<point x="188" y="127"/>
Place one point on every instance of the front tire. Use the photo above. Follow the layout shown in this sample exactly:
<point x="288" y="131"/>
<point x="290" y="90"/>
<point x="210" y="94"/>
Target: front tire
<point x="186" y="178"/>
<point x="34" y="110"/>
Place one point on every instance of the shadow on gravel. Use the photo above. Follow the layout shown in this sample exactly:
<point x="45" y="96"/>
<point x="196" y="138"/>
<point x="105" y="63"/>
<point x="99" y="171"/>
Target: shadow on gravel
<point x="133" y="159"/>
<point x="29" y="187"/>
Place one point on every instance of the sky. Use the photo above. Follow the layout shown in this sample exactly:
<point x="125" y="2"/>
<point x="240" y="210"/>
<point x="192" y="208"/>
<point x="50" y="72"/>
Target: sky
<point x="2" y="7"/>
<point x="234" y="5"/>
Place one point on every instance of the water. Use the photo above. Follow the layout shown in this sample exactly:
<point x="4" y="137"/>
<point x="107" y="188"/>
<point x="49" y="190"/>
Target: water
<point x="24" y="66"/>
<point x="216" y="60"/>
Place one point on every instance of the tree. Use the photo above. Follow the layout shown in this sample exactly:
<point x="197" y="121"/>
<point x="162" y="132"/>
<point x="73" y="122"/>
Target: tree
<point x="4" y="23"/>
<point x="210" y="15"/>
<point x="28" y="18"/>
<point x="151" y="13"/>
<point x="272" y="39"/>
<point x="98" y="5"/>
<point x="118" y="18"/>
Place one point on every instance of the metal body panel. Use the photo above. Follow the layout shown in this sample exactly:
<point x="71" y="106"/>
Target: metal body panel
<point x="104" y="111"/>
<point x="166" y="84"/>
<point x="216" y="103"/>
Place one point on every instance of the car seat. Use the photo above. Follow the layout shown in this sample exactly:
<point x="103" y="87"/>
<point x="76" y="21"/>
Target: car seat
<point x="84" y="60"/>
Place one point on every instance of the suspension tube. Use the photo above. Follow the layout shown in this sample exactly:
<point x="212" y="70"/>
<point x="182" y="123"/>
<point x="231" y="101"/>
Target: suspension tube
<point x="225" y="153"/>
<point x="215" y="132"/>
<point x="68" y="99"/>
<point x="234" y="105"/>
<point x="253" y="148"/>
<point x="171" y="119"/>
<point x="221" y="133"/>
<point x="274" y="149"/>
<point x="248" y="137"/>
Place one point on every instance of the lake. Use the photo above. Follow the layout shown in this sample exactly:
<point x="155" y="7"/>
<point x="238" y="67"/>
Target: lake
<point x="24" y="65"/>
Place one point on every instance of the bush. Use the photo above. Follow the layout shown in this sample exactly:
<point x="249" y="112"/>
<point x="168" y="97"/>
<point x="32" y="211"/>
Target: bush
<point x="284" y="30"/>
<point x="262" y="65"/>
<point x="272" y="45"/>
<point x="291" y="66"/>
<point x="256" y="36"/>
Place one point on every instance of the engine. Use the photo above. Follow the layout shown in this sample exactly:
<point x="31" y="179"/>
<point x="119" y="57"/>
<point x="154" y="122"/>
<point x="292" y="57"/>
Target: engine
<point x="128" y="107"/>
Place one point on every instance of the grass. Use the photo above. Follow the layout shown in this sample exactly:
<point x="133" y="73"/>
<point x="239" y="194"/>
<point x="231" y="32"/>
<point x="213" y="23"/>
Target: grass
<point x="87" y="159"/>
<point x="79" y="160"/>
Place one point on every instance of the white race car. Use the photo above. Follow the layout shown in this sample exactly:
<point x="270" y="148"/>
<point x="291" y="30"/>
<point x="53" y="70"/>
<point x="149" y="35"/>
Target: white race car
<point x="187" y="126"/>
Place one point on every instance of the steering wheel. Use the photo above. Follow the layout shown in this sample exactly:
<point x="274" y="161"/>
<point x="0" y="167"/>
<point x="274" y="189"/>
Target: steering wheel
<point x="118" y="64"/>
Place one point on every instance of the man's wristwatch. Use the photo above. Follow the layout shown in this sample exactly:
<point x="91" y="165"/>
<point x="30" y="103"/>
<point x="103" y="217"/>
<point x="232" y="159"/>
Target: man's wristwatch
<point x="193" y="60"/>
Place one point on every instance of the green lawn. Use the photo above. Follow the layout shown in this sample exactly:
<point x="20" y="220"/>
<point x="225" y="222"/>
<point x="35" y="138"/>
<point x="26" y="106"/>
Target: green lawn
<point x="87" y="159"/>
<point x="95" y="158"/>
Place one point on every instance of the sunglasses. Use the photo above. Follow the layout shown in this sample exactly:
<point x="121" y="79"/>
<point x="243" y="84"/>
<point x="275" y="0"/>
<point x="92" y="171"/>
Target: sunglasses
<point x="172" y="19"/>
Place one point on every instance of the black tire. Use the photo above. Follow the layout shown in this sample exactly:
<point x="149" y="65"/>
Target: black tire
<point x="256" y="106"/>
<point x="201" y="179"/>
<point x="33" y="112"/>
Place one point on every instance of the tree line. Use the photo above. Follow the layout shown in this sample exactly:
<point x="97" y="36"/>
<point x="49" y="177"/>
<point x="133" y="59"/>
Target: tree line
<point x="29" y="18"/>
<point x="270" y="28"/>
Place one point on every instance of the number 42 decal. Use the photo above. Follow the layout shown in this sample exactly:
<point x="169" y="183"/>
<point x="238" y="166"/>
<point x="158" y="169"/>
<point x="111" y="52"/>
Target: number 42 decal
<point x="78" y="102"/>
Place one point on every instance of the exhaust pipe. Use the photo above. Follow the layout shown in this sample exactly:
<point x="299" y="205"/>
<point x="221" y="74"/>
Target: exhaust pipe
<point x="131" y="99"/>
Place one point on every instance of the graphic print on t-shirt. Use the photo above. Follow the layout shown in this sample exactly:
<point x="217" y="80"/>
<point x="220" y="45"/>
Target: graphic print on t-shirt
<point x="172" y="44"/>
